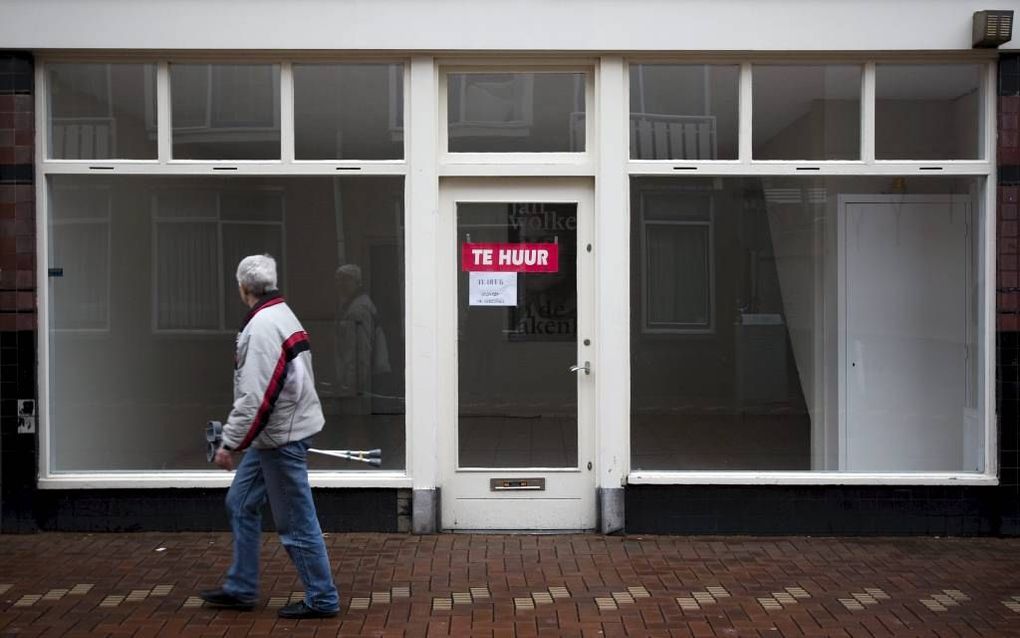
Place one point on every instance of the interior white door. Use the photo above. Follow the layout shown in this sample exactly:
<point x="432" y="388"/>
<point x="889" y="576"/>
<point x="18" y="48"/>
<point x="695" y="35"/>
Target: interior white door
<point x="905" y="351"/>
<point x="516" y="420"/>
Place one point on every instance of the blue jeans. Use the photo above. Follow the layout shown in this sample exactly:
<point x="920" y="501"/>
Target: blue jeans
<point x="281" y="475"/>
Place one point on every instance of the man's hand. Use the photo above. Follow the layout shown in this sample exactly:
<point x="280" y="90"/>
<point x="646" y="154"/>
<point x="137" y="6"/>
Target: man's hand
<point x="224" y="459"/>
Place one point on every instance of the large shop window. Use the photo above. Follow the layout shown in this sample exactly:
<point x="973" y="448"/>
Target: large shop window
<point x="156" y="331"/>
<point x="101" y="111"/>
<point x="846" y="324"/>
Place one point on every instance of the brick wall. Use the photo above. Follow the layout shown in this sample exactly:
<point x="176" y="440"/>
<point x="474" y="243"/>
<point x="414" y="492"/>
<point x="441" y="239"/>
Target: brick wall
<point x="18" y="451"/>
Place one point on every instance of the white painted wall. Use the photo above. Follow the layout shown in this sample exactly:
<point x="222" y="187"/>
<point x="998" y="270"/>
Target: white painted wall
<point x="494" y="25"/>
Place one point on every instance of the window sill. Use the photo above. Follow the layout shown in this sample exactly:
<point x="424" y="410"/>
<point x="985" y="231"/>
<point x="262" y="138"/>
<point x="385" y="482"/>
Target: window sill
<point x="809" y="478"/>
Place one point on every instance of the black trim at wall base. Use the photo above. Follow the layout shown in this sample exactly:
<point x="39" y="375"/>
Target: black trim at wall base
<point x="820" y="510"/>
<point x="190" y="510"/>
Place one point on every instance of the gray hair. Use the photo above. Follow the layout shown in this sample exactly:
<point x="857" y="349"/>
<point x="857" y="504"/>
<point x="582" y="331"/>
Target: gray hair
<point x="349" y="270"/>
<point x="257" y="273"/>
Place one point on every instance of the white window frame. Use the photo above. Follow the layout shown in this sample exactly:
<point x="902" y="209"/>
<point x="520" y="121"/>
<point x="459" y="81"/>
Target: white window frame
<point x="866" y="166"/>
<point x="606" y="158"/>
<point x="165" y="165"/>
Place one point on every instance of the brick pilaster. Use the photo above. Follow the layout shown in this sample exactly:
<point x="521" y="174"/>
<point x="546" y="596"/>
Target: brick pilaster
<point x="1008" y="292"/>
<point x="18" y="364"/>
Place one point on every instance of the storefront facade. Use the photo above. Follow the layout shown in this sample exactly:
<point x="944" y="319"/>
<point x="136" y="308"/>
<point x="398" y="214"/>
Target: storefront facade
<point x="657" y="271"/>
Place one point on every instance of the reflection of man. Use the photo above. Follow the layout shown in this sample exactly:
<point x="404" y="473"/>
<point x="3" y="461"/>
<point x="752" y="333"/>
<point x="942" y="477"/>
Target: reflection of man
<point x="275" y="412"/>
<point x="355" y="334"/>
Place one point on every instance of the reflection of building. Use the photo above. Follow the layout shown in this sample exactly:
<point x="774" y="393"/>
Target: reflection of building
<point x="781" y="290"/>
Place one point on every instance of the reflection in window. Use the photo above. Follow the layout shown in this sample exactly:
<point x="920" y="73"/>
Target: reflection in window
<point x="225" y="111"/>
<point x="684" y="111"/>
<point x="806" y="112"/>
<point x="205" y="231"/>
<point x="516" y="112"/>
<point x="927" y="111"/>
<point x="167" y="350"/>
<point x="348" y="111"/>
<point x="80" y="253"/>
<point x="101" y="111"/>
<point x="819" y="359"/>
<point x="678" y="266"/>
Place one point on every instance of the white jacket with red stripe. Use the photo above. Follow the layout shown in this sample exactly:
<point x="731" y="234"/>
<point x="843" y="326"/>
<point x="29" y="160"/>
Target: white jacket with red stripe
<point x="274" y="388"/>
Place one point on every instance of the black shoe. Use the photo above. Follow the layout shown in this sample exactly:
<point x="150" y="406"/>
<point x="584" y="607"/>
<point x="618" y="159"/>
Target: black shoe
<point x="223" y="600"/>
<point x="301" y="611"/>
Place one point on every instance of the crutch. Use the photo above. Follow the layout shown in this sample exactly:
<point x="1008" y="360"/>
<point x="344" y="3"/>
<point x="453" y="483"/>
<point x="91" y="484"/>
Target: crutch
<point x="214" y="438"/>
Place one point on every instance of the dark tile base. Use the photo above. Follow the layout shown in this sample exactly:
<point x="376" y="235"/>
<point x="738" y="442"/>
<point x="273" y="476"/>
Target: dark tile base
<point x="818" y="510"/>
<point x="180" y="510"/>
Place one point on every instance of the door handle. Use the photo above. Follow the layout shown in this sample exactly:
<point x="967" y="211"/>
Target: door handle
<point x="586" y="367"/>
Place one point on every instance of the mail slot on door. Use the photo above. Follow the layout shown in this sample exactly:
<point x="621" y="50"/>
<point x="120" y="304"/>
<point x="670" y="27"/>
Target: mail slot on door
<point x="505" y="484"/>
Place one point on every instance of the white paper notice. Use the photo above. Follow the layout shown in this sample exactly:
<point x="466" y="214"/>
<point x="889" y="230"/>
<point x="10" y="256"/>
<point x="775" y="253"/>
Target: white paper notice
<point x="492" y="288"/>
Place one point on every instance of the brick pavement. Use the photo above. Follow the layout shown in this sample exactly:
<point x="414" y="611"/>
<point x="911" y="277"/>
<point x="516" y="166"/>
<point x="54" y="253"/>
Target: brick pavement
<point x="496" y="585"/>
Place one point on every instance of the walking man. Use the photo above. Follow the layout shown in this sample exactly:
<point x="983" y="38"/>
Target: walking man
<point x="275" y="412"/>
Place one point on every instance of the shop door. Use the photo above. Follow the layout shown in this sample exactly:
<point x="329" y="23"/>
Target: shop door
<point x="516" y="336"/>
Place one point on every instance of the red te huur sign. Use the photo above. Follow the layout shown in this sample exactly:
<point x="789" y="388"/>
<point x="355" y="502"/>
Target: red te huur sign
<point x="510" y="257"/>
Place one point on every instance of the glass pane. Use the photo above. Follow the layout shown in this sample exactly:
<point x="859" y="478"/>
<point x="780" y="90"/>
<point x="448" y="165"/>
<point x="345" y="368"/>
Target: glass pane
<point x="807" y="310"/>
<point x="684" y="111"/>
<point x="516" y="112"/>
<point x="348" y="111"/>
<point x="102" y="111"/>
<point x="517" y="399"/>
<point x="807" y="112"/>
<point x="225" y="111"/>
<point x="169" y="325"/>
<point x="928" y="111"/>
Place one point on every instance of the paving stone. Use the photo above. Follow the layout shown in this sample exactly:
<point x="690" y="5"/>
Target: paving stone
<point x="462" y="598"/>
<point x="276" y="602"/>
<point x="956" y="594"/>
<point x="115" y="600"/>
<point x="638" y="592"/>
<point x="403" y="591"/>
<point x="877" y="593"/>
<point x="524" y="603"/>
<point x="478" y="593"/>
<point x="55" y="594"/>
<point x="799" y="592"/>
<point x="161" y="590"/>
<point x="769" y="604"/>
<point x="688" y="604"/>
<point x="542" y="597"/>
<point x="28" y="600"/>
<point x="4" y="588"/>
<point x="559" y="592"/>
<point x="192" y="602"/>
<point x="623" y="598"/>
<point x="81" y="589"/>
<point x="359" y="603"/>
<point x="137" y="594"/>
<point x="718" y="591"/>
<point x="380" y="597"/>
<point x="852" y="604"/>
<point x="605" y="603"/>
<point x="442" y="604"/>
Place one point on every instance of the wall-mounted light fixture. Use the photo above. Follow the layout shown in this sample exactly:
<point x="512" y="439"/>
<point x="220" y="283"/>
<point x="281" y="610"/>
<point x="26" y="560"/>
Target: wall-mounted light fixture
<point x="992" y="28"/>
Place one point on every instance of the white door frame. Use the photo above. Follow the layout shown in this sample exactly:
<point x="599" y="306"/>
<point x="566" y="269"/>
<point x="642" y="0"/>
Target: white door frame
<point x="568" y="500"/>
